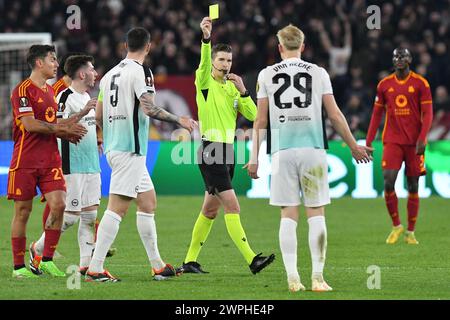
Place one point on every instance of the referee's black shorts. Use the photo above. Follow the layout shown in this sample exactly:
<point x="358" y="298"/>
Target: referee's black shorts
<point x="216" y="163"/>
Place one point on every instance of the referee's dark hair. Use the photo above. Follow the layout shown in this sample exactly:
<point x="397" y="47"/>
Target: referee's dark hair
<point x="38" y="51"/>
<point x="220" y="47"/>
<point x="74" y="63"/>
<point x="137" y="39"/>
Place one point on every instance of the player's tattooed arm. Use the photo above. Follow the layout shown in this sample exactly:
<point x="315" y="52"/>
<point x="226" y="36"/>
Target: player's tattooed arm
<point x="33" y="125"/>
<point x="150" y="109"/>
<point x="153" y="111"/>
<point x="70" y="131"/>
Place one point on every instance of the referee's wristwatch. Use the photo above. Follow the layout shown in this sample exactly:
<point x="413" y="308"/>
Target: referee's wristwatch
<point x="245" y="94"/>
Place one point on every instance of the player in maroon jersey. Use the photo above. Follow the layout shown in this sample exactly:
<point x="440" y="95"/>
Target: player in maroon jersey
<point x="406" y="98"/>
<point x="60" y="85"/>
<point x="36" y="161"/>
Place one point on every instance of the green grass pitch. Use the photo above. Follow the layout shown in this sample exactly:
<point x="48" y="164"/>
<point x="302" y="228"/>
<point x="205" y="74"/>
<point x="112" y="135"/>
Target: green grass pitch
<point x="357" y="230"/>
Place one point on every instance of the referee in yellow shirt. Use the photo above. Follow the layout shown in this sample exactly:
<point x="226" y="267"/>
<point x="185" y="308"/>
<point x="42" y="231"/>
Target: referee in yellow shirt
<point x="220" y="96"/>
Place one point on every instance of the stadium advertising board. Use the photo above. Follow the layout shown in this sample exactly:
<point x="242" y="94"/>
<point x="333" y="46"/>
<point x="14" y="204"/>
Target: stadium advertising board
<point x="175" y="172"/>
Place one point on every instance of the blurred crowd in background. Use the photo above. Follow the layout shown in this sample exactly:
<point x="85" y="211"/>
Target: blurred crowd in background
<point x="337" y="38"/>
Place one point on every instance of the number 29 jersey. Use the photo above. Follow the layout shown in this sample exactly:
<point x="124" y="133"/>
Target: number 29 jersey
<point x="295" y="88"/>
<point x="125" y="125"/>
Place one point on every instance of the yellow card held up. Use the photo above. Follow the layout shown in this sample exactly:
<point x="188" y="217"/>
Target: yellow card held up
<point x="214" y="11"/>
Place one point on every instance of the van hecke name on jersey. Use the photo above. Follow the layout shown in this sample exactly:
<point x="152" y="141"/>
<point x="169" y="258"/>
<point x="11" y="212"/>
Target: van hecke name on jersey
<point x="292" y="64"/>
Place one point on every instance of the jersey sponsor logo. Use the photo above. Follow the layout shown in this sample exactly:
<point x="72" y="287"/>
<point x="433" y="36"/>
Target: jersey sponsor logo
<point x="74" y="202"/>
<point x="23" y="101"/>
<point x="401" y="100"/>
<point x="411" y="89"/>
<point x="117" y="117"/>
<point x="391" y="89"/>
<point x="40" y="100"/>
<point x="282" y="119"/>
<point x="50" y="114"/>
<point x="402" y="112"/>
<point x="299" y="118"/>
<point x="90" y="121"/>
<point x="25" y="109"/>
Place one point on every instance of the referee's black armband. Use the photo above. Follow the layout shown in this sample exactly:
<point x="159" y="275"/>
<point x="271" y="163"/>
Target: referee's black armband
<point x="206" y="40"/>
<point x="246" y="94"/>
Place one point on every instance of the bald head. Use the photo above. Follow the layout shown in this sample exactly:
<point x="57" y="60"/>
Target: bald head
<point x="401" y="58"/>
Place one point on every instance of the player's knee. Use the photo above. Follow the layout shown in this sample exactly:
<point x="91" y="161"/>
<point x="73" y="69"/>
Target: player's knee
<point x="413" y="187"/>
<point x="23" y="213"/>
<point x="148" y="207"/>
<point x="234" y="208"/>
<point x="210" y="213"/>
<point x="58" y="207"/>
<point x="389" y="186"/>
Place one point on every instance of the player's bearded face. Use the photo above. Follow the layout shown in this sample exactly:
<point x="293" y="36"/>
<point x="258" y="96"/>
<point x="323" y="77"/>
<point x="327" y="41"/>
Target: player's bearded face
<point x="50" y="65"/>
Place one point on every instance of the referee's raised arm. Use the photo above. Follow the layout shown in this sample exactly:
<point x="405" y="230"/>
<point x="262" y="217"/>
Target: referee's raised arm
<point x="203" y="73"/>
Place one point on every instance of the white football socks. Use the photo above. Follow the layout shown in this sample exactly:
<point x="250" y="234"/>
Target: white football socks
<point x="86" y="236"/>
<point x="68" y="221"/>
<point x="317" y="244"/>
<point x="147" y="230"/>
<point x="288" y="246"/>
<point x="107" y="232"/>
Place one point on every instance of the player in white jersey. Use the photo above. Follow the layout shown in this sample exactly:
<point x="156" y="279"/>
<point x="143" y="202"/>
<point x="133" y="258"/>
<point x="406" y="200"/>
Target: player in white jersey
<point x="292" y="94"/>
<point x="81" y="166"/>
<point x="126" y="101"/>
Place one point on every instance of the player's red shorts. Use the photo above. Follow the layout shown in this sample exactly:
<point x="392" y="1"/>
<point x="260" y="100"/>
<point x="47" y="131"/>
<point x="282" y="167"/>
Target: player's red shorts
<point x="22" y="183"/>
<point x="394" y="154"/>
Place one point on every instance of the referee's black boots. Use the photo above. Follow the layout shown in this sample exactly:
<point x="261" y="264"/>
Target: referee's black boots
<point x="259" y="262"/>
<point x="193" y="267"/>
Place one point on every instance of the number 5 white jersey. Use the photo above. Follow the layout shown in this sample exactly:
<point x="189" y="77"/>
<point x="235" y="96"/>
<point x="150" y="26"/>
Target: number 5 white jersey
<point x="125" y="125"/>
<point x="295" y="88"/>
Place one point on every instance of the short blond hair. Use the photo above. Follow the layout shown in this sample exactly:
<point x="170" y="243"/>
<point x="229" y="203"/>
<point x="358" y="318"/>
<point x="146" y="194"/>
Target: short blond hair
<point x="291" y="37"/>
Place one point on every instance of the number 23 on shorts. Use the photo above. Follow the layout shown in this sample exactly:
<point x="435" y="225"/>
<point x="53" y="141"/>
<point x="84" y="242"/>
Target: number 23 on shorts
<point x="57" y="173"/>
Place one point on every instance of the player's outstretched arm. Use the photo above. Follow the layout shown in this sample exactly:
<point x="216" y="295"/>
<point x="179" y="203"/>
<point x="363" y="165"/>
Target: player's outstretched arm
<point x="150" y="109"/>
<point x="259" y="132"/>
<point x="73" y="132"/>
<point x="360" y="153"/>
<point x="74" y="118"/>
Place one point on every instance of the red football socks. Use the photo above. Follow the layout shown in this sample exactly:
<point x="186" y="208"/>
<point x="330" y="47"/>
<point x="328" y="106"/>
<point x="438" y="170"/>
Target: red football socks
<point x="392" y="206"/>
<point x="18" y="249"/>
<point x="50" y="243"/>
<point x="413" y="210"/>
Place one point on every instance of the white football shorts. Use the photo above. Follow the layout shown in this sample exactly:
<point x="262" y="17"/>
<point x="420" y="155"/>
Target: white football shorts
<point x="83" y="190"/>
<point x="299" y="169"/>
<point x="129" y="174"/>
